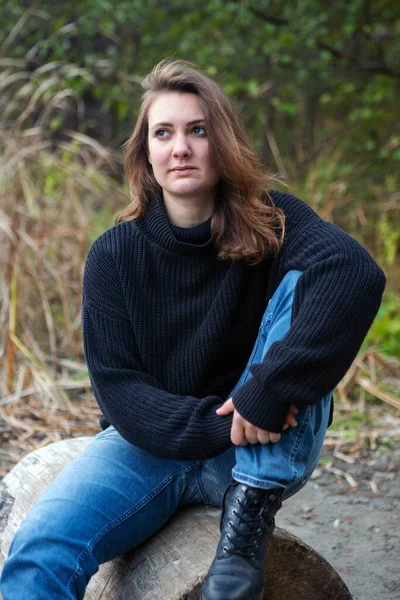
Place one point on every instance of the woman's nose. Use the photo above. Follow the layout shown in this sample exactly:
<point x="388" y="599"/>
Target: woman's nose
<point x="181" y="146"/>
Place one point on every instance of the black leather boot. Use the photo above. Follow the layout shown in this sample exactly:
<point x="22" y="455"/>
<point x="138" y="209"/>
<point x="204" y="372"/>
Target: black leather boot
<point x="247" y="523"/>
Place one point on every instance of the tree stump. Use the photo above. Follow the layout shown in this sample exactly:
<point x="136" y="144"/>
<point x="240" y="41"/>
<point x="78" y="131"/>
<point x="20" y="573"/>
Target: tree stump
<point x="173" y="563"/>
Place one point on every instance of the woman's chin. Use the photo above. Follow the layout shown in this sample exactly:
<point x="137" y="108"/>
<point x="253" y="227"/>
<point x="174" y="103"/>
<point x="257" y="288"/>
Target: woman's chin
<point x="185" y="190"/>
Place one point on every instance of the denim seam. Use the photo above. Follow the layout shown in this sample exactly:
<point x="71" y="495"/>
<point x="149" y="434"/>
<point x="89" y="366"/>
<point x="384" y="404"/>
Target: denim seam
<point x="266" y="321"/>
<point x="299" y="439"/>
<point x="254" y="352"/>
<point x="122" y="518"/>
<point x="201" y="487"/>
<point x="252" y="481"/>
<point x="299" y="484"/>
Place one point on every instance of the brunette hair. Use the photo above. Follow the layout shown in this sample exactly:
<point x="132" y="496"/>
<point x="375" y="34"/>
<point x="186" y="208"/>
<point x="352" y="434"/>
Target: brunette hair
<point x="245" y="223"/>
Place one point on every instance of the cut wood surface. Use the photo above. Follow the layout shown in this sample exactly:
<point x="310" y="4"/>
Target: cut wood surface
<point x="172" y="564"/>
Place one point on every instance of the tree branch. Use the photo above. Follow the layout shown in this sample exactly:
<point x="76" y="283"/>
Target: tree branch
<point x="370" y="67"/>
<point x="354" y="62"/>
<point x="269" y="18"/>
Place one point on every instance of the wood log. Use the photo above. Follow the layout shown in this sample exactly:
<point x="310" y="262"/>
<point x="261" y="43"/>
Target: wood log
<point x="173" y="563"/>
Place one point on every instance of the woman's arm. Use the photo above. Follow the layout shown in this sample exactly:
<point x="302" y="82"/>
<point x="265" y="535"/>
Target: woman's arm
<point x="163" y="424"/>
<point x="336" y="300"/>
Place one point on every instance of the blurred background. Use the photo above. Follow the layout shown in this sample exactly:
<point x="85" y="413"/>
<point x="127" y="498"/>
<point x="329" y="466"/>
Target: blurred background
<point x="318" y="85"/>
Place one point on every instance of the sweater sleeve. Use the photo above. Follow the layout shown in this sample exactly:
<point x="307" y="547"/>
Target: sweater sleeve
<point x="335" y="302"/>
<point x="146" y="415"/>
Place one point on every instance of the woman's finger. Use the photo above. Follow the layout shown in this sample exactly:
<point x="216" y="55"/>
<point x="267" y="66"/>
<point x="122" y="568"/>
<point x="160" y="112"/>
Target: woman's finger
<point x="251" y="434"/>
<point x="226" y="409"/>
<point x="263" y="436"/>
<point x="291" y="420"/>
<point x="238" y="436"/>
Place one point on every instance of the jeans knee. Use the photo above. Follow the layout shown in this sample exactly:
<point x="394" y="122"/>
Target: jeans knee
<point x="32" y="536"/>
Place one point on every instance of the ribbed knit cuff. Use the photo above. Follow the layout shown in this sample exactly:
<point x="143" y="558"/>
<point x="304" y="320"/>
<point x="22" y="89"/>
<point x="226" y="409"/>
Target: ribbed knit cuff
<point x="217" y="434"/>
<point x="211" y="438"/>
<point x="252" y="403"/>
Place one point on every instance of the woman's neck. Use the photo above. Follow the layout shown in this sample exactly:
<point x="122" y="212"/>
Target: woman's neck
<point x="188" y="212"/>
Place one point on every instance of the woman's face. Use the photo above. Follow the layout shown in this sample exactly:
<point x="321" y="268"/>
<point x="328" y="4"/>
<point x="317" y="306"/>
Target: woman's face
<point x="178" y="148"/>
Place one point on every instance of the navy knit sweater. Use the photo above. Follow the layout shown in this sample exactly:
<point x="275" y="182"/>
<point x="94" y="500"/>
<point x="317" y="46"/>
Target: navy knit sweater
<point x="168" y="328"/>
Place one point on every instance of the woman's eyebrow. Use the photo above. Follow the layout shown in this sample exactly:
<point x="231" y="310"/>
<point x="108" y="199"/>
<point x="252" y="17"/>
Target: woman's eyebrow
<point x="165" y="124"/>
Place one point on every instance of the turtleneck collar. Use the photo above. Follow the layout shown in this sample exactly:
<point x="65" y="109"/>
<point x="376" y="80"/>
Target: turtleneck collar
<point x="194" y="241"/>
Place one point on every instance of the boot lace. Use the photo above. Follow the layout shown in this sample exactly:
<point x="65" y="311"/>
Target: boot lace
<point x="245" y="542"/>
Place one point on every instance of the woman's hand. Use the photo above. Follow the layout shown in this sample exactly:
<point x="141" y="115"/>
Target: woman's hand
<point x="291" y="420"/>
<point x="243" y="432"/>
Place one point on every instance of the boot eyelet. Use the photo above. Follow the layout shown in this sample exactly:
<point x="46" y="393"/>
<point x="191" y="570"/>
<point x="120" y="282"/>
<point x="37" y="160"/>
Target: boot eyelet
<point x="259" y="531"/>
<point x="252" y="555"/>
<point x="238" y="500"/>
<point x="230" y="524"/>
<point x="228" y="537"/>
<point x="234" y="512"/>
<point x="225" y="550"/>
<point x="255" y="543"/>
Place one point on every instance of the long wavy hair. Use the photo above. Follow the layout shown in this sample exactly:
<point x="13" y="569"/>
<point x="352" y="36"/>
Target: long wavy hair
<point x="245" y="223"/>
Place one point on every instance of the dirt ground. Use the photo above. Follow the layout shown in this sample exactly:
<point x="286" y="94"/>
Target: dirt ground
<point x="356" y="529"/>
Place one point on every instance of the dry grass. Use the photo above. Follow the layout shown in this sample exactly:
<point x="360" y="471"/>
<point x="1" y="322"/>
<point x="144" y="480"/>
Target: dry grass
<point x="57" y="193"/>
<point x="366" y="424"/>
<point x="51" y="196"/>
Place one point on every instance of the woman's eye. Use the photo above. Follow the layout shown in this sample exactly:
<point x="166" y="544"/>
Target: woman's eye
<point x="199" y="130"/>
<point x="162" y="133"/>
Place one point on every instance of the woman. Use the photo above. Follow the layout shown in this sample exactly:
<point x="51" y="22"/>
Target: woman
<point x="204" y="274"/>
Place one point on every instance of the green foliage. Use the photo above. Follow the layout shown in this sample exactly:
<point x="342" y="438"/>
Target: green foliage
<point x="300" y="65"/>
<point x="385" y="331"/>
<point x="353" y="420"/>
<point x="349" y="429"/>
<point x="317" y="84"/>
<point x="389" y="235"/>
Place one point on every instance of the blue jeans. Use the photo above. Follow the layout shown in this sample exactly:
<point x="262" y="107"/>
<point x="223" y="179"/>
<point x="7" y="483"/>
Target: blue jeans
<point x="113" y="496"/>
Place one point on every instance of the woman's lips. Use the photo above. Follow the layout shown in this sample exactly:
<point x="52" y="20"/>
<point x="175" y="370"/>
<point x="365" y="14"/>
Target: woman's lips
<point x="183" y="170"/>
